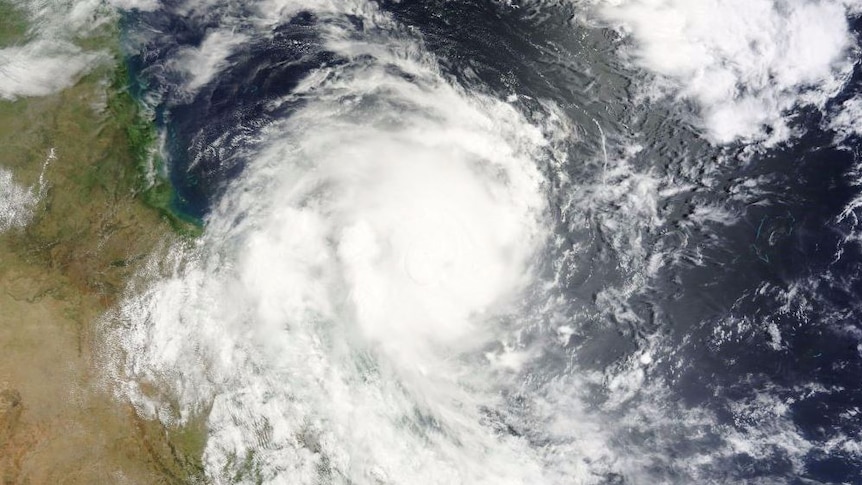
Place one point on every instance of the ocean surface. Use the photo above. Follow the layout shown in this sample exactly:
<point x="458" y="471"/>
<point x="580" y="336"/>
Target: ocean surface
<point x="506" y="242"/>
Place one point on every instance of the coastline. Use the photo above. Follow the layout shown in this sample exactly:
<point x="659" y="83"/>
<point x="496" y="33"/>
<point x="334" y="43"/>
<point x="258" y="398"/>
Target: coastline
<point x="95" y="223"/>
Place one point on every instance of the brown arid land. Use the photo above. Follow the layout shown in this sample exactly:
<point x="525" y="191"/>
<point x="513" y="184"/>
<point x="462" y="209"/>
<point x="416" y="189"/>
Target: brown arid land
<point x="60" y="422"/>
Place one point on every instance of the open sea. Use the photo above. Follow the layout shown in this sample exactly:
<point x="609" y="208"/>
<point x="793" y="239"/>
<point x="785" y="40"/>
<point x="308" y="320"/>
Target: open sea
<point x="506" y="242"/>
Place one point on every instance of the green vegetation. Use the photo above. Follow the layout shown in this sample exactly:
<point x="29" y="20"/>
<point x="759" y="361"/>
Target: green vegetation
<point x="141" y="139"/>
<point x="13" y="24"/>
<point x="99" y="218"/>
<point x="246" y="470"/>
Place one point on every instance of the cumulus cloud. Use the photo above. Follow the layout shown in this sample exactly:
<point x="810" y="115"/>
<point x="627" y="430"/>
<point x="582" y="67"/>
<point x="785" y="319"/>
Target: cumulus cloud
<point x="745" y="63"/>
<point x="50" y="60"/>
<point x="41" y="67"/>
<point x="16" y="202"/>
<point x="847" y="120"/>
<point x="144" y="5"/>
<point x="201" y="64"/>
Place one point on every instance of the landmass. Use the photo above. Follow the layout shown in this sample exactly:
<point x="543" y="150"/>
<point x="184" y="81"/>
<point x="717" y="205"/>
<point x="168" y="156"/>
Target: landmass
<point x="98" y="217"/>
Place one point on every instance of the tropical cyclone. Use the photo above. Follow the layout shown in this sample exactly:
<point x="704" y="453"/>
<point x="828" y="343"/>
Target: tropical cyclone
<point x="431" y="257"/>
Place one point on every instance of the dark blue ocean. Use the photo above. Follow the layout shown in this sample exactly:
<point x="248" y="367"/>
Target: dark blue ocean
<point x="755" y="323"/>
